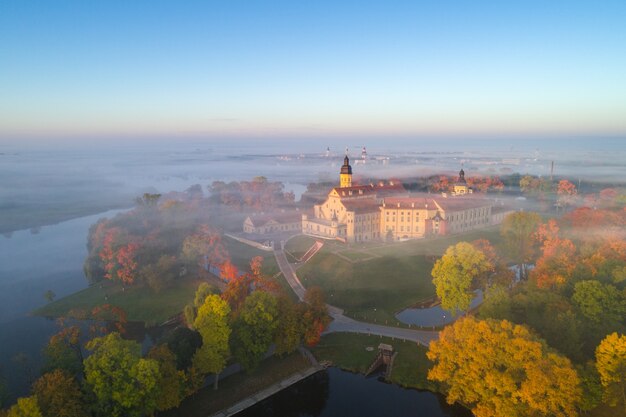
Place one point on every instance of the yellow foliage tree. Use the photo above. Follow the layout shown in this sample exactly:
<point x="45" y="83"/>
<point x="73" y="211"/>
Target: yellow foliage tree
<point x="611" y="365"/>
<point x="501" y="369"/>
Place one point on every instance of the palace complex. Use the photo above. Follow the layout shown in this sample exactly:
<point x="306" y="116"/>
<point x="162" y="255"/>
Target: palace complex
<point x="387" y="211"/>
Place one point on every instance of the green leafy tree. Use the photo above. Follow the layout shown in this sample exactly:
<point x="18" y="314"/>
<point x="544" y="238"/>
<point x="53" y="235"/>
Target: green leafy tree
<point x="161" y="275"/>
<point x="59" y="395"/>
<point x="500" y="369"/>
<point x="454" y="274"/>
<point x="611" y="365"/>
<point x="548" y="313"/>
<point x="599" y="303"/>
<point x="25" y="407"/>
<point x="591" y="386"/>
<point x="202" y="292"/>
<point x="253" y="330"/>
<point x="183" y="343"/>
<point x="212" y="324"/>
<point x="124" y="383"/>
<point x="289" y="330"/>
<point x="170" y="381"/>
<point x="518" y="229"/>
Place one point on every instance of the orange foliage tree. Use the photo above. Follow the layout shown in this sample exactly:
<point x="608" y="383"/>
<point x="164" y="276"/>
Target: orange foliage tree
<point x="566" y="193"/>
<point x="558" y="259"/>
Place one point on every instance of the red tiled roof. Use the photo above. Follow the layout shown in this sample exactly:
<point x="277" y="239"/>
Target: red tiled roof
<point x="437" y="202"/>
<point x="361" y="206"/>
<point x="286" y="217"/>
<point x="393" y="187"/>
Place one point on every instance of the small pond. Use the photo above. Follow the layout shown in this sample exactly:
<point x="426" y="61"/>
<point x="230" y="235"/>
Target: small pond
<point x="434" y="316"/>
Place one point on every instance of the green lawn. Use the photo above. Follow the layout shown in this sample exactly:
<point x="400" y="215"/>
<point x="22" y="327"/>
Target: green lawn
<point x="370" y="289"/>
<point x="348" y="351"/>
<point x="375" y="289"/>
<point x="435" y="246"/>
<point x="355" y="255"/>
<point x="241" y="254"/>
<point x="139" y="303"/>
<point x="297" y="246"/>
<point x="239" y="386"/>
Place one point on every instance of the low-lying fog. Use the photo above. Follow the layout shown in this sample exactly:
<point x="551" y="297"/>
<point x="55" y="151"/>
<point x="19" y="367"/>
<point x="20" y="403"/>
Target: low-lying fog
<point x="46" y="184"/>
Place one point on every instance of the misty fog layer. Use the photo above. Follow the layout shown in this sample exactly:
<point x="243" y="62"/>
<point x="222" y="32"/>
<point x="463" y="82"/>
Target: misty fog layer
<point x="45" y="185"/>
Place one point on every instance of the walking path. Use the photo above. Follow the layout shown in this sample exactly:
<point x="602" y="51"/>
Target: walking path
<point x="273" y="389"/>
<point x="341" y="323"/>
<point x="267" y="392"/>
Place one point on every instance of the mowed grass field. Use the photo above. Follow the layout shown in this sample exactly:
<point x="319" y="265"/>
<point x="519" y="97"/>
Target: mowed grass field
<point x="374" y="281"/>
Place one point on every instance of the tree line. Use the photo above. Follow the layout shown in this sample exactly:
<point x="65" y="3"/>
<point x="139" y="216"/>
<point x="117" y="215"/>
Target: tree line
<point x="549" y="341"/>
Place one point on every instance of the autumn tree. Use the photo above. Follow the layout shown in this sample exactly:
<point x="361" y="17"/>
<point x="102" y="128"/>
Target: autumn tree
<point x="124" y="383"/>
<point x="455" y="272"/>
<point x="236" y="292"/>
<point x="501" y="369"/>
<point x="253" y="330"/>
<point x="611" y="365"/>
<point x="204" y="248"/>
<point x="212" y="324"/>
<point x="162" y="274"/>
<point x="118" y="256"/>
<point x="518" y="230"/>
<point x="25" y="407"/>
<point x="59" y="395"/>
<point x="290" y="326"/>
<point x="314" y="313"/>
<point x="566" y="193"/>
<point x="500" y="274"/>
<point x="534" y="186"/>
<point x="64" y="352"/>
<point x="202" y="292"/>
<point x="170" y="381"/>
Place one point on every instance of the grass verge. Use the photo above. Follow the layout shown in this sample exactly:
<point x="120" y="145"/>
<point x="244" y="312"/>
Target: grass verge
<point x="239" y="386"/>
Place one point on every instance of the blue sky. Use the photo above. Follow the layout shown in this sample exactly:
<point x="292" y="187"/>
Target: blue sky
<point x="311" y="68"/>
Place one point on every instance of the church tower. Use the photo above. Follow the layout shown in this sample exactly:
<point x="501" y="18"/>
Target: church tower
<point x="345" y="175"/>
<point x="460" y="187"/>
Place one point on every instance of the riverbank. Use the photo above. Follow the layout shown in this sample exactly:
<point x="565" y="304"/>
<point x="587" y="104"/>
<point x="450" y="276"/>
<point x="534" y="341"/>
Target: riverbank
<point x="355" y="352"/>
<point x="240" y="386"/>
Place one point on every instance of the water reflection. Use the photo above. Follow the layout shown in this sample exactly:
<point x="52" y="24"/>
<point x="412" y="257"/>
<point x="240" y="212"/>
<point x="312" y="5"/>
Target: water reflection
<point x="339" y="393"/>
<point x="434" y="316"/>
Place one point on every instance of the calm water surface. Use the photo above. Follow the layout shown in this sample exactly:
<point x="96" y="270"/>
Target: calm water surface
<point x="339" y="393"/>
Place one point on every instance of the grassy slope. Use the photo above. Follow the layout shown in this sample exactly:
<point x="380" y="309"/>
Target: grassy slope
<point x="298" y="245"/>
<point x="239" y="386"/>
<point x="140" y="303"/>
<point x="397" y="276"/>
<point x="241" y="254"/>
